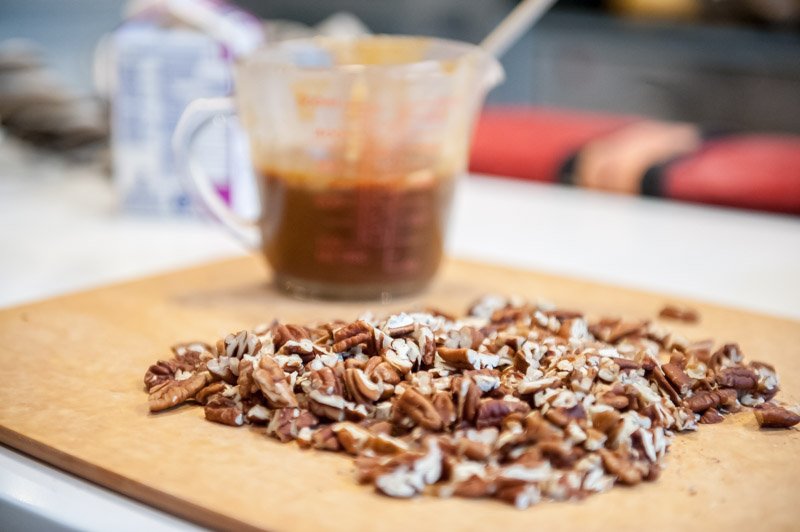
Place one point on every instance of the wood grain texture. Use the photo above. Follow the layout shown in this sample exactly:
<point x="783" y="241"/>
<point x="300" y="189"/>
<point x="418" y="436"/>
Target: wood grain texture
<point x="72" y="370"/>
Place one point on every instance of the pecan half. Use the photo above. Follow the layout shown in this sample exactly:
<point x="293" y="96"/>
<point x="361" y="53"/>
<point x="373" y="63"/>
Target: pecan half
<point x="770" y="415"/>
<point x="172" y="393"/>
<point x="738" y="378"/>
<point x="353" y="334"/>
<point x="675" y="312"/>
<point x="456" y="357"/>
<point x="491" y="412"/>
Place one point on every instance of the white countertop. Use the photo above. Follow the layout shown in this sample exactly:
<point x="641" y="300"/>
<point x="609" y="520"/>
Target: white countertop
<point x="60" y="232"/>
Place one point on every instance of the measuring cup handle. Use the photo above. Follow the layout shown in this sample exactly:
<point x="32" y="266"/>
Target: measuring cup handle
<point x="194" y="119"/>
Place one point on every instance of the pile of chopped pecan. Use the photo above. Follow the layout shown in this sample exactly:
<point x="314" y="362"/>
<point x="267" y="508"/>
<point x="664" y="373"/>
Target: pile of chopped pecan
<point x="515" y="401"/>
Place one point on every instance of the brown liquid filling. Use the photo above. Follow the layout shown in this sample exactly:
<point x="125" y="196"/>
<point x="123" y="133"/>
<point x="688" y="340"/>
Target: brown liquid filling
<point x="377" y="234"/>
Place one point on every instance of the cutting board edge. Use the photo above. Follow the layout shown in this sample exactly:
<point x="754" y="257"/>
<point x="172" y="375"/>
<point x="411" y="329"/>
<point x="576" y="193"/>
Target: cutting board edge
<point x="673" y="298"/>
<point x="119" y="485"/>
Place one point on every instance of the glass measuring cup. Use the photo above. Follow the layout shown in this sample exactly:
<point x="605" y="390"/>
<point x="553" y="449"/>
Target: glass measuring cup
<point x="356" y="145"/>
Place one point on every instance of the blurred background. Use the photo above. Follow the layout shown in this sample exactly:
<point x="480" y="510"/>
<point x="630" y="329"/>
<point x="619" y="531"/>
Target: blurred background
<point x="692" y="100"/>
<point x="725" y="63"/>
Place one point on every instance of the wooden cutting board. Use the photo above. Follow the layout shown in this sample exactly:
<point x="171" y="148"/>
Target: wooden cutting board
<point x="72" y="396"/>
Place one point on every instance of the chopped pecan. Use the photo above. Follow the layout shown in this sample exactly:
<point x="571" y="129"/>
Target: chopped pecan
<point x="675" y="312"/>
<point x="561" y="454"/>
<point x="509" y="314"/>
<point x="561" y="417"/>
<point x="465" y="338"/>
<point x="399" y="325"/>
<point x="224" y="410"/>
<point x="626" y="364"/>
<point x="702" y="401"/>
<point x="525" y="403"/>
<point x="172" y="393"/>
<point x="738" y="378"/>
<point x="420" y="410"/>
<point x="353" y="438"/>
<point x="360" y="388"/>
<point x="207" y="392"/>
<point x="287" y="423"/>
<point x="727" y="398"/>
<point x="401" y="354"/>
<point x="443" y="403"/>
<point x="618" y="465"/>
<point x="193" y="351"/>
<point x="726" y="355"/>
<point x="520" y="495"/>
<point x="614" y="330"/>
<point x="615" y="400"/>
<point x="767" y="379"/>
<point x="711" y="416"/>
<point x="605" y="420"/>
<point x="379" y="370"/>
<point x="573" y="328"/>
<point x="472" y="488"/>
<point x="325" y="381"/>
<point x="326" y="405"/>
<point x="469" y="395"/>
<point x="325" y="439"/>
<point x="256" y="413"/>
<point x="679" y="379"/>
<point x="272" y="382"/>
<point x="159" y="373"/>
<point x="247" y="385"/>
<point x="473" y="450"/>
<point x="412" y="472"/>
<point x="353" y="334"/>
<point x="288" y="333"/>
<point x="770" y="415"/>
<point x="427" y="346"/>
<point x="491" y="412"/>
<point x="383" y="443"/>
<point x="563" y="314"/>
<point x="666" y="385"/>
<point x="240" y="344"/>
